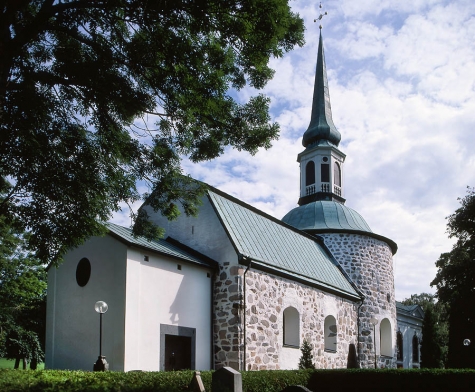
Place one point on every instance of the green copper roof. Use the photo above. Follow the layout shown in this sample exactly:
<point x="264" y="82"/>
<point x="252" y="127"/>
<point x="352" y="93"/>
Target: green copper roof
<point x="279" y="249"/>
<point x="321" y="124"/>
<point x="410" y="310"/>
<point x="161" y="246"/>
<point x="325" y="215"/>
<point x="331" y="217"/>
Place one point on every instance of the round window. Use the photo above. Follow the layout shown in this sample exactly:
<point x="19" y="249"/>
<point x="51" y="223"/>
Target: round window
<point x="325" y="159"/>
<point x="83" y="272"/>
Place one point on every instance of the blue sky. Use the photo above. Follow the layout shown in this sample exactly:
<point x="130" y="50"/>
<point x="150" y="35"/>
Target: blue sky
<point x="402" y="86"/>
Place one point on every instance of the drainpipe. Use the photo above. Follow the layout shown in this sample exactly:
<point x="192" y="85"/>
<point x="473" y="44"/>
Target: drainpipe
<point x="358" y="336"/>
<point x="244" y="306"/>
<point x="213" y="281"/>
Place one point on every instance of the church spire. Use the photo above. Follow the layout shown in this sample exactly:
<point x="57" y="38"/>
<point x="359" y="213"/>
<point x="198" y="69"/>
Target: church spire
<point x="321" y="124"/>
<point x="321" y="163"/>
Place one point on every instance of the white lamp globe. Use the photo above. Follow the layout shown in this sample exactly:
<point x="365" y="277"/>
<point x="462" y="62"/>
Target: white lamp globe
<point x="101" y="307"/>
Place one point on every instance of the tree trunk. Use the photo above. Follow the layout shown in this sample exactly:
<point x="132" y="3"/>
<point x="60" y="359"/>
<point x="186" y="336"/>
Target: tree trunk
<point x="17" y="363"/>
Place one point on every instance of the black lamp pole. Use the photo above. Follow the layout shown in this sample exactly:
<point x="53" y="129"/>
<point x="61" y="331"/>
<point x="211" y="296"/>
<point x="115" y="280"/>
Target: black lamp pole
<point x="101" y="364"/>
<point x="100" y="334"/>
<point x="373" y="321"/>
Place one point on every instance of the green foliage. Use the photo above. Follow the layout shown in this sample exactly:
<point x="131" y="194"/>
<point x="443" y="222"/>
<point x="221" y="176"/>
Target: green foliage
<point x="23" y="296"/>
<point x="97" y="97"/>
<point x="353" y="380"/>
<point x="273" y="380"/>
<point x="306" y="360"/>
<point x="435" y="332"/>
<point x="455" y="283"/>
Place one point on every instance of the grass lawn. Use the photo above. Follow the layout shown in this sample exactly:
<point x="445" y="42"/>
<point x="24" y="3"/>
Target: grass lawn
<point x="9" y="364"/>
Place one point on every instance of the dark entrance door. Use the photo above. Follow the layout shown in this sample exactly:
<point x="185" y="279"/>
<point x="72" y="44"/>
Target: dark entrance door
<point x="177" y="352"/>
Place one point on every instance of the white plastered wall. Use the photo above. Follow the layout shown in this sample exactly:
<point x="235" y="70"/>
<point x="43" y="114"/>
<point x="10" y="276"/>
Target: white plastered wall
<point x="204" y="233"/>
<point x="159" y="293"/>
<point x="72" y="324"/>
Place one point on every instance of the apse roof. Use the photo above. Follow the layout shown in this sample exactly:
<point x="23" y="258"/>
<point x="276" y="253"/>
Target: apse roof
<point x="278" y="248"/>
<point x="168" y="247"/>
<point x="324" y="216"/>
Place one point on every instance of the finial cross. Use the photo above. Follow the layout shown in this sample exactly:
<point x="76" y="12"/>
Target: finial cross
<point x="320" y="17"/>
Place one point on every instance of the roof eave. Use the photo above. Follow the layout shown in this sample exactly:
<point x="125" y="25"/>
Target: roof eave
<point x="265" y="267"/>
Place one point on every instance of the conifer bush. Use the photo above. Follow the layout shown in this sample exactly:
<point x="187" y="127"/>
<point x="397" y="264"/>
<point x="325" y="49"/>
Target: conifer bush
<point x="306" y="360"/>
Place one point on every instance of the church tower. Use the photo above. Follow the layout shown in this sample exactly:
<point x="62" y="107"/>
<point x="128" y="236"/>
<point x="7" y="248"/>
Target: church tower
<point x="321" y="163"/>
<point x="366" y="257"/>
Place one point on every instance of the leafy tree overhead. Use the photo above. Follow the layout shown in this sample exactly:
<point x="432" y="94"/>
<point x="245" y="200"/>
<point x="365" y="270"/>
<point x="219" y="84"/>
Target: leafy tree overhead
<point x="98" y="95"/>
<point x="455" y="283"/>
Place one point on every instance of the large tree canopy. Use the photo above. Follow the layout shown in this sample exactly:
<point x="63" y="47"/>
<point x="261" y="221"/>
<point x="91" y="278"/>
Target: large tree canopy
<point x="96" y="96"/>
<point x="455" y="283"/>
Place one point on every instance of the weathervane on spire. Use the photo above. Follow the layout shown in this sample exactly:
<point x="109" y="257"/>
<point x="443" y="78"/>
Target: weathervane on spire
<point x="320" y="17"/>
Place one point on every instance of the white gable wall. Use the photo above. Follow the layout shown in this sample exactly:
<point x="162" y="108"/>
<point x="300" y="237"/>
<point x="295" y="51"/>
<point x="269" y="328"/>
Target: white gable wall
<point x="158" y="293"/>
<point x="203" y="233"/>
<point x="72" y="325"/>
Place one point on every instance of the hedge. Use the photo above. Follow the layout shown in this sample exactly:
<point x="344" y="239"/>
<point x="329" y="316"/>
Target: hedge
<point x="354" y="380"/>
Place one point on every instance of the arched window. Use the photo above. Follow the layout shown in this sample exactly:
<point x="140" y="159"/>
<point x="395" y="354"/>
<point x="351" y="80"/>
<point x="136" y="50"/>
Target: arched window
<point x="386" y="338"/>
<point x="337" y="174"/>
<point x="400" y="353"/>
<point x="310" y="173"/>
<point x="330" y="334"/>
<point x="415" y="349"/>
<point x="291" y="327"/>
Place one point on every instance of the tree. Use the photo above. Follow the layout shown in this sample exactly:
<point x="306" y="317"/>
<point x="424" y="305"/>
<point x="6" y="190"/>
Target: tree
<point x="23" y="294"/>
<point x="97" y="96"/>
<point x="306" y="360"/>
<point x="455" y="282"/>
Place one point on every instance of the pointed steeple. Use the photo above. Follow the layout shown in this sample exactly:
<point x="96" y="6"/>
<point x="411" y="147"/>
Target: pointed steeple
<point x="321" y="126"/>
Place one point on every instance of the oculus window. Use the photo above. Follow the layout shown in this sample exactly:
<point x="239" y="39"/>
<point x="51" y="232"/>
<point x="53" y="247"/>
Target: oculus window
<point x="83" y="272"/>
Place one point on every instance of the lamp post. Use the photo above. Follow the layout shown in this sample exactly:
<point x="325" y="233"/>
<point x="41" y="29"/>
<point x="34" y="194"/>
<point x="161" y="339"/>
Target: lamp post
<point x="373" y="321"/>
<point x="101" y="364"/>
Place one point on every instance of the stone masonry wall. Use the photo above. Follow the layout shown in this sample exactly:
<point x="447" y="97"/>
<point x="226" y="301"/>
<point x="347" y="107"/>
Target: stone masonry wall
<point x="369" y="264"/>
<point x="267" y="297"/>
<point x="227" y="319"/>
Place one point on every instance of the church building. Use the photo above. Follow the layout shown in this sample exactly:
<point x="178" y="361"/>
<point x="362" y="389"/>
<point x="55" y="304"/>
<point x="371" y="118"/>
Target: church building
<point x="237" y="287"/>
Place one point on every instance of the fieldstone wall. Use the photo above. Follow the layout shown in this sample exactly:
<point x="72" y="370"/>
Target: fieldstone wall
<point x="267" y="296"/>
<point x="369" y="263"/>
<point x="227" y="320"/>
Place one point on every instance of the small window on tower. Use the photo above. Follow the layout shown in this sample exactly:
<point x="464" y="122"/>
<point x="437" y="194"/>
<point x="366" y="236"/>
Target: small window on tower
<point x="337" y="174"/>
<point x="310" y="173"/>
<point x="325" y="172"/>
